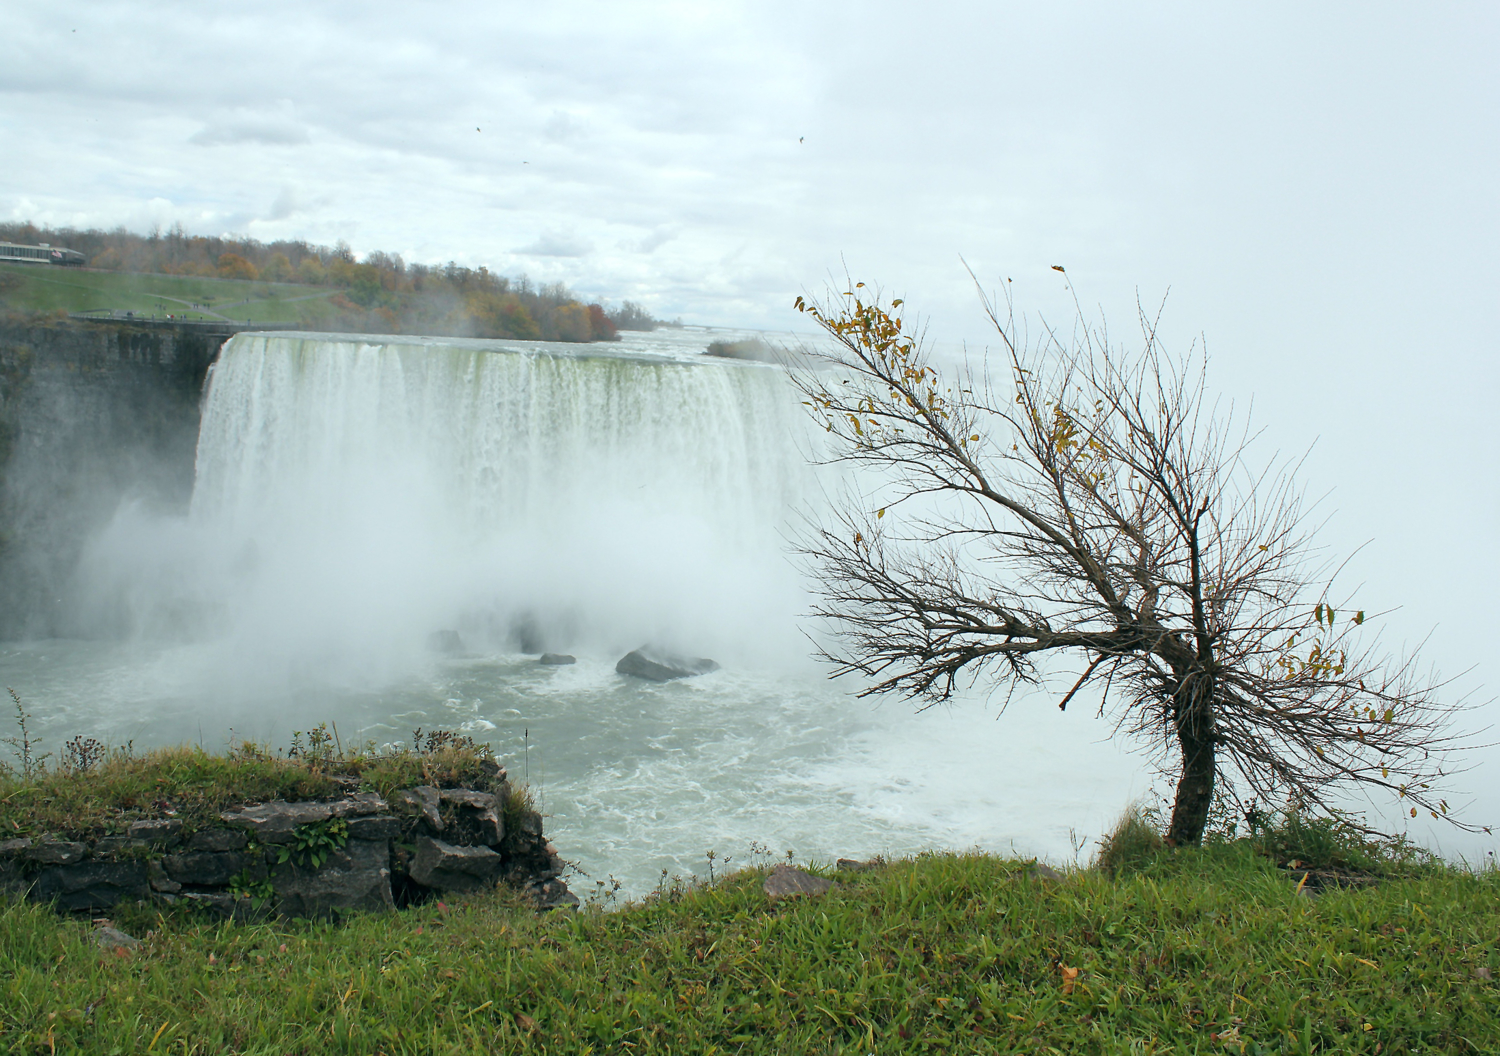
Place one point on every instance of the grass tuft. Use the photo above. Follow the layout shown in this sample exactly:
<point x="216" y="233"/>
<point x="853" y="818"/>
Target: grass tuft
<point x="1131" y="846"/>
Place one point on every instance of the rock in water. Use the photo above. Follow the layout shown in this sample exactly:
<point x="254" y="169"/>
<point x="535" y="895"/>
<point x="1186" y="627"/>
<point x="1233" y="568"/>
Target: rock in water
<point x="787" y="882"/>
<point x="657" y="666"/>
<point x="446" y="642"/>
<point x="557" y="659"/>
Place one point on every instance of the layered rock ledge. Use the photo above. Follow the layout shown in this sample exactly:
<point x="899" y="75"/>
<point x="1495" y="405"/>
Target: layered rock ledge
<point x="315" y="858"/>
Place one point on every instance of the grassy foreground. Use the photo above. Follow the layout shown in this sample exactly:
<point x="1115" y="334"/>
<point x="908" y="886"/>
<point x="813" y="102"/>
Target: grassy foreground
<point x="1204" y="952"/>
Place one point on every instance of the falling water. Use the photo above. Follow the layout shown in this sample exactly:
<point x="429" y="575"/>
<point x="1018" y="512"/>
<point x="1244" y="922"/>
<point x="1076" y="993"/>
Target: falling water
<point x="358" y="500"/>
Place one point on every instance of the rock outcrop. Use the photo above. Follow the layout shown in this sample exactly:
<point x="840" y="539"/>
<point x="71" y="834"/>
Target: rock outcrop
<point x="658" y="666"/>
<point x="319" y="858"/>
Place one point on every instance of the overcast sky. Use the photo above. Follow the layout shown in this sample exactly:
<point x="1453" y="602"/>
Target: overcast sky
<point x="1316" y="184"/>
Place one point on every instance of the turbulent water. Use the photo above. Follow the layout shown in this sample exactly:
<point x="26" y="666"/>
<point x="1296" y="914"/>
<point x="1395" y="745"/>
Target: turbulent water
<point x="361" y="502"/>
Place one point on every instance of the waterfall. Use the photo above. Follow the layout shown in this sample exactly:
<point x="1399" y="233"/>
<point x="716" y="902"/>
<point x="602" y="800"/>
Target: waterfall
<point x="353" y="496"/>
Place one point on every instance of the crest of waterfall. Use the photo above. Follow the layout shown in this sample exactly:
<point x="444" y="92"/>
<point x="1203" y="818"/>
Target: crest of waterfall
<point x="354" y="496"/>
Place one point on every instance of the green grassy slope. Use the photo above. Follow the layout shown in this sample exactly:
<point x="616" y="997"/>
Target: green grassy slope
<point x="1210" y="952"/>
<point x="33" y="288"/>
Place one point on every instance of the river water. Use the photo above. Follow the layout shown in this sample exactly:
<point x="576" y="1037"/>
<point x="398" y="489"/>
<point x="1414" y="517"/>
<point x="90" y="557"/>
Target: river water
<point x="356" y="496"/>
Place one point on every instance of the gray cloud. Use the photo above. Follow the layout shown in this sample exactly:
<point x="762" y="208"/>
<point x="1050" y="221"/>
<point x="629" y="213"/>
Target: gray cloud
<point x="556" y="244"/>
<point x="270" y="131"/>
<point x="285" y="205"/>
<point x="652" y="242"/>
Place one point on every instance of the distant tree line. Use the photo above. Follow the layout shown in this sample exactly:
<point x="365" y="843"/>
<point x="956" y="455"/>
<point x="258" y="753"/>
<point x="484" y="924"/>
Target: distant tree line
<point x="381" y="294"/>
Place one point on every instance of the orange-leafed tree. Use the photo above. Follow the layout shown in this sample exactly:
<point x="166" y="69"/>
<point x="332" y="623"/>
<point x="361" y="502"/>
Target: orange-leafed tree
<point x="234" y="266"/>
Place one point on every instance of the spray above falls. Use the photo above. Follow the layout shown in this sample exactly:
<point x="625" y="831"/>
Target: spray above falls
<point x="354" y="496"/>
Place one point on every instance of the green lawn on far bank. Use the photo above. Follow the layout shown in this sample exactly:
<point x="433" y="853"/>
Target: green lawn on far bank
<point x="37" y="288"/>
<point x="1201" y="952"/>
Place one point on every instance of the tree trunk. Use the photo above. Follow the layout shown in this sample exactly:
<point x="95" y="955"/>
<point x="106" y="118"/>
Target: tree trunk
<point x="1195" y="736"/>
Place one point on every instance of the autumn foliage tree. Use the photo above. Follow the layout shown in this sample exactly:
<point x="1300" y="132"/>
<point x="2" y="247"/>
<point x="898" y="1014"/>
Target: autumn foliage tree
<point x="382" y="293"/>
<point x="1081" y="507"/>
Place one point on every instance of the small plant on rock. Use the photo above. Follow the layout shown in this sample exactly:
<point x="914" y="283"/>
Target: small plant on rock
<point x="82" y="754"/>
<point x="314" y="842"/>
<point x="243" y="886"/>
<point x="23" y="746"/>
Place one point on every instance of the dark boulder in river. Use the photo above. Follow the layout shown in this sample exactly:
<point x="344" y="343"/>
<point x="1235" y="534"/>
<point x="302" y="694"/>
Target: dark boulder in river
<point x="557" y="659"/>
<point x="447" y="642"/>
<point x="657" y="666"/>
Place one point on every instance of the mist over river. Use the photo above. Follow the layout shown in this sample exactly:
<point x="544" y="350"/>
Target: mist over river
<point x="357" y="496"/>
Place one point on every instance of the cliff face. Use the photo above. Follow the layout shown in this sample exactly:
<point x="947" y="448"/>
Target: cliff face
<point x="90" y="414"/>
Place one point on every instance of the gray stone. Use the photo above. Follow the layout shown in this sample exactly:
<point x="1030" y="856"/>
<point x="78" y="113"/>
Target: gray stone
<point x="14" y="846"/>
<point x="477" y="817"/>
<point x="276" y="822"/>
<point x="851" y="865"/>
<point x="159" y="880"/>
<point x="355" y="878"/>
<point x="788" y="882"/>
<point x="208" y="867"/>
<point x="445" y="867"/>
<point x="155" y="830"/>
<point x="422" y="801"/>
<point x="447" y="642"/>
<point x="109" y="938"/>
<point x="657" y="666"/>
<point x="217" y="840"/>
<point x="493" y="770"/>
<point x="488" y="827"/>
<point x="375" y="828"/>
<point x="552" y="894"/>
<point x="106" y="846"/>
<point x="557" y="659"/>
<point x="92" y="885"/>
<point x="56" y="852"/>
<point x="1040" y="871"/>
<point x="468" y="798"/>
<point x="216" y="902"/>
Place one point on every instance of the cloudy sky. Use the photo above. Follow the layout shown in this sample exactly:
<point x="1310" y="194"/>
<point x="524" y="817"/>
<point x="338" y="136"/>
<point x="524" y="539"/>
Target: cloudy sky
<point x="1315" y="184"/>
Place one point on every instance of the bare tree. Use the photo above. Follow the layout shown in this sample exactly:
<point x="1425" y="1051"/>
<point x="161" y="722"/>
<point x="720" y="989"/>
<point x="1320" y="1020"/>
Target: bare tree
<point x="1089" y="506"/>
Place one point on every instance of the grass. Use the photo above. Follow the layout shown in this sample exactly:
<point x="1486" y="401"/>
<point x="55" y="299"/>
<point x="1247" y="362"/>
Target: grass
<point x="33" y="288"/>
<point x="1208" y="950"/>
<point x="1131" y="846"/>
<point x="1205" y="952"/>
<point x="91" y="792"/>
